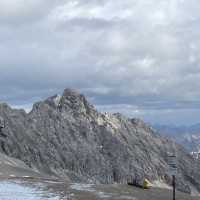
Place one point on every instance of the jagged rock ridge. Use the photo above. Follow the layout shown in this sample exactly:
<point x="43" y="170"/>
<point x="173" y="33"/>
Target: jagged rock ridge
<point x="66" y="136"/>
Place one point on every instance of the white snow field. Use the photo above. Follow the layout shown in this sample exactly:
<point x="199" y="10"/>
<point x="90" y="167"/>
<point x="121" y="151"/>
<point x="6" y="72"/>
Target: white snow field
<point x="15" y="191"/>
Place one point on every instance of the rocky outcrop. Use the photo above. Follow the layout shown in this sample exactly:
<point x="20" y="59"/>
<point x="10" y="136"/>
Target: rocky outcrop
<point x="13" y="168"/>
<point x="66" y="136"/>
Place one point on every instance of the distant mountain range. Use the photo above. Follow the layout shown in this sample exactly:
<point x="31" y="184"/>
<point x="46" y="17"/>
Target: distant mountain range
<point x="188" y="136"/>
<point x="67" y="137"/>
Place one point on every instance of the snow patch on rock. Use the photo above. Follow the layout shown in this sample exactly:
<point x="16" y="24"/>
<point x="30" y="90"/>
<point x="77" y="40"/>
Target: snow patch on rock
<point x="57" y="100"/>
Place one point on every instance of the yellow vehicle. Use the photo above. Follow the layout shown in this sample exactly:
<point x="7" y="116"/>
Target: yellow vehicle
<point x="145" y="184"/>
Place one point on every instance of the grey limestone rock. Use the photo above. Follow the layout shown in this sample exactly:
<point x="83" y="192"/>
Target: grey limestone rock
<point x="67" y="137"/>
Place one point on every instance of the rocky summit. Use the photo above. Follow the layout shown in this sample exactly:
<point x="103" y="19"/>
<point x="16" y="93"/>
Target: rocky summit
<point x="67" y="137"/>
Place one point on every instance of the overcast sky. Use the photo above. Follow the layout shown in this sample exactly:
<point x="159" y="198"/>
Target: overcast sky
<point x="139" y="57"/>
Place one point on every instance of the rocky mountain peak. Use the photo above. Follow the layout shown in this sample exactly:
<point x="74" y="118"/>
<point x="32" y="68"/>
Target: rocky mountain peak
<point x="68" y="92"/>
<point x="53" y="101"/>
<point x="66" y="136"/>
<point x="73" y="101"/>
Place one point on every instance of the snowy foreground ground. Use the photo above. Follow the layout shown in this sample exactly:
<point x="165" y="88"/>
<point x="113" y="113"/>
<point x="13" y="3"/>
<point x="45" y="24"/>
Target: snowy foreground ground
<point x="50" y="190"/>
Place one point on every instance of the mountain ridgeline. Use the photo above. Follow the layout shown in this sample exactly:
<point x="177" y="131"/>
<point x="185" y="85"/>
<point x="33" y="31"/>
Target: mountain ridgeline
<point x="67" y="137"/>
<point x="188" y="136"/>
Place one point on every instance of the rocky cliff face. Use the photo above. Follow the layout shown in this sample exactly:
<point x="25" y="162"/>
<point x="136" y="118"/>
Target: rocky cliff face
<point x="66" y="136"/>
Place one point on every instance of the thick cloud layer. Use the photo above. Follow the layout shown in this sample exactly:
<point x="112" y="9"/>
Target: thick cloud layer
<point x="135" y="56"/>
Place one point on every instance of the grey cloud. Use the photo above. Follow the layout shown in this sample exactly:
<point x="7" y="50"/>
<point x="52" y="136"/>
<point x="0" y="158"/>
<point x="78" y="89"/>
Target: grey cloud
<point x="20" y="12"/>
<point x="138" y="53"/>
